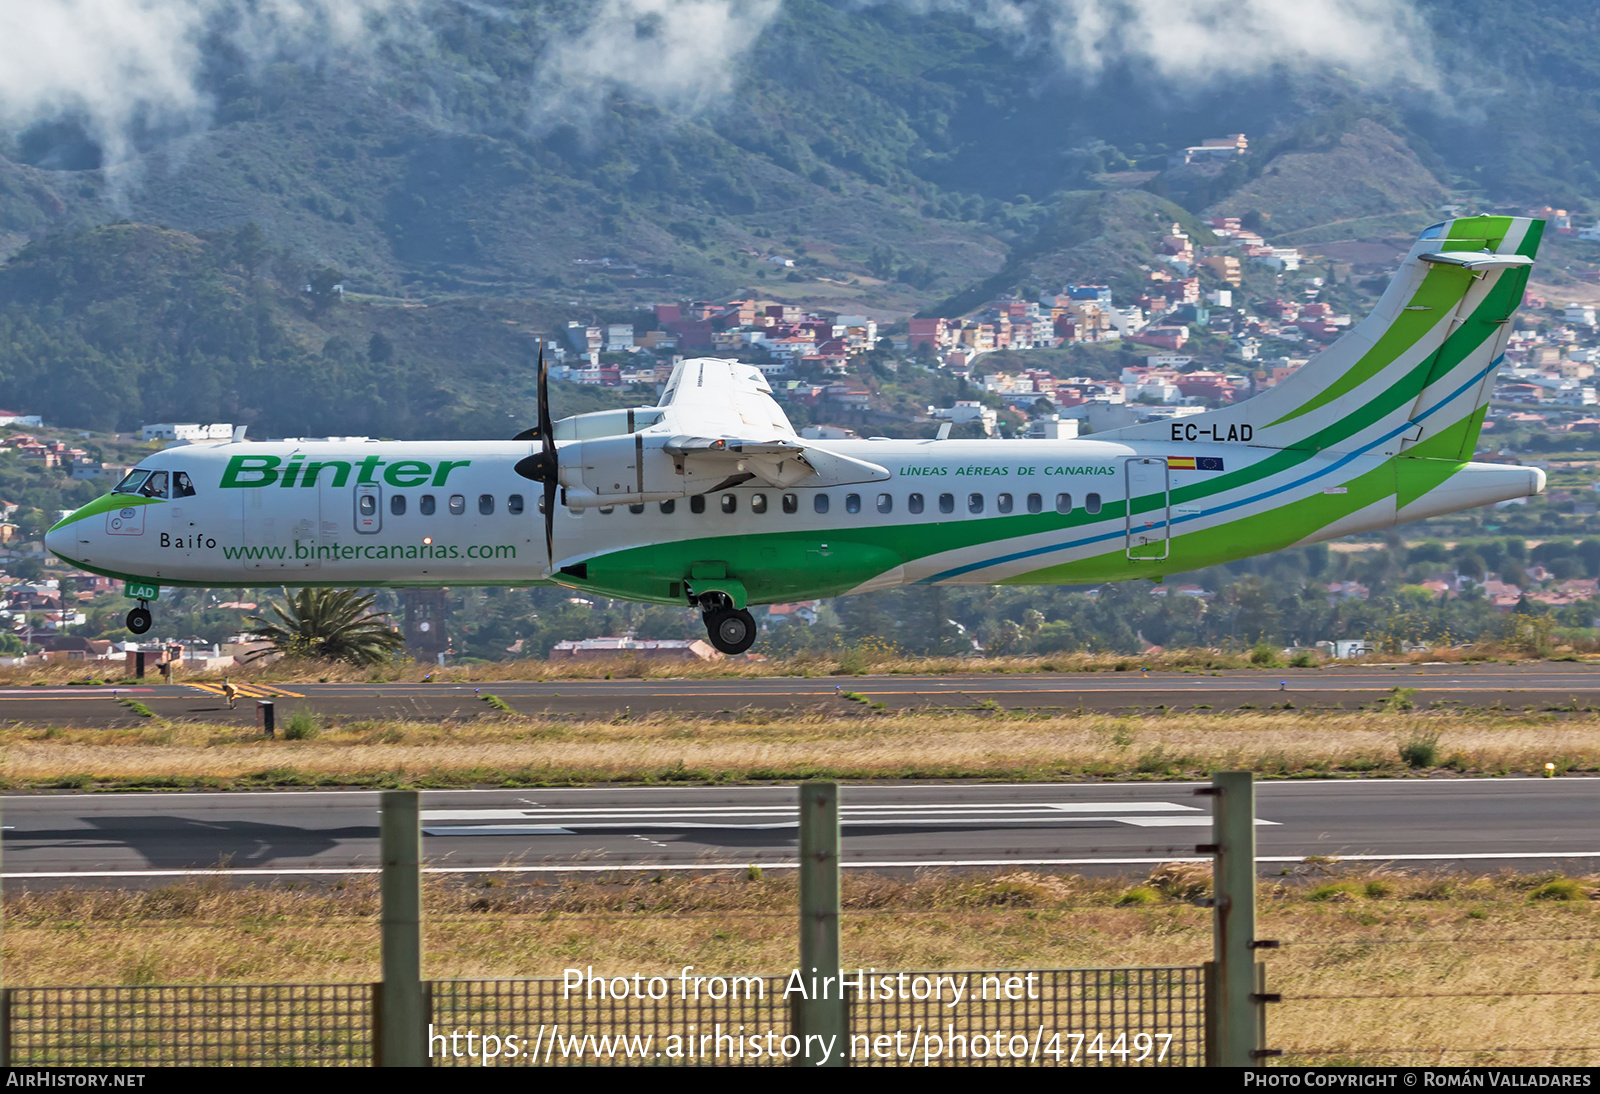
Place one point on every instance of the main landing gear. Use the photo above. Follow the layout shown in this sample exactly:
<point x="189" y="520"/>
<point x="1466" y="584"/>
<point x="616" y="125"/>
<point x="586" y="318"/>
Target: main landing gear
<point x="139" y="618"/>
<point x="732" y="630"/>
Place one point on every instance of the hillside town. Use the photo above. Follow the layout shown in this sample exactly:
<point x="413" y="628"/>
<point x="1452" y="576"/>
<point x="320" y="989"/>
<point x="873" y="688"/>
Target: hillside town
<point x="1214" y="316"/>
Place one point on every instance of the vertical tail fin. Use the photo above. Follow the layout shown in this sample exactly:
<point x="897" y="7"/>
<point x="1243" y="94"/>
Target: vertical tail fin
<point x="1416" y="375"/>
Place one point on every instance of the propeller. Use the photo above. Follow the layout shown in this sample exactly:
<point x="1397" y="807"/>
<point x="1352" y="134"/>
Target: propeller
<point x="541" y="465"/>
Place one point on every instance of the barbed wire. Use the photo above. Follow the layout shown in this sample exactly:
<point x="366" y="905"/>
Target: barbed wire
<point x="1283" y="943"/>
<point x="1287" y="1052"/>
<point x="1438" y="995"/>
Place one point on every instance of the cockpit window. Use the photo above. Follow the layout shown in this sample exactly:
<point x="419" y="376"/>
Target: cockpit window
<point x="181" y="486"/>
<point x="155" y="486"/>
<point x="131" y="481"/>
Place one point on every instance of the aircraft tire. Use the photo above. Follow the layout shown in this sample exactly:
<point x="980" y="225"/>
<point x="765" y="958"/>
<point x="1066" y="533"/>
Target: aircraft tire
<point x="139" y="620"/>
<point x="732" y="632"/>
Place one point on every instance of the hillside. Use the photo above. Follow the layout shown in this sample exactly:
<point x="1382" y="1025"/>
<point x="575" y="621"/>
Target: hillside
<point x="1362" y="181"/>
<point x="110" y="327"/>
<point x="903" y="154"/>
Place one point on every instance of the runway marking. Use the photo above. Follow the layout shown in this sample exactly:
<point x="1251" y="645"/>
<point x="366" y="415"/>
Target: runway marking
<point x="673" y="812"/>
<point x="249" y="691"/>
<point x="770" y="864"/>
<point x="775" y="817"/>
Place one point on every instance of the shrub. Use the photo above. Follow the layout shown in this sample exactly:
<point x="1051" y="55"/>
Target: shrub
<point x="1420" y="748"/>
<point x="1560" y="889"/>
<point x="302" y="726"/>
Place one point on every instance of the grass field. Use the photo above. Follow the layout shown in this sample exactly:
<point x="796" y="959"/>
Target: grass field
<point x="1451" y="968"/>
<point x="845" y="661"/>
<point x="495" y="748"/>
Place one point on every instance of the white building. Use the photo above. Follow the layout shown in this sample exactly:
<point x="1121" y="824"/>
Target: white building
<point x="966" y="411"/>
<point x="187" y="431"/>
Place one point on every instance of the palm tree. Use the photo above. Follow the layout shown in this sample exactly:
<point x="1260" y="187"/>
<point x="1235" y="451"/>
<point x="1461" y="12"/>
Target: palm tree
<point x="329" y="625"/>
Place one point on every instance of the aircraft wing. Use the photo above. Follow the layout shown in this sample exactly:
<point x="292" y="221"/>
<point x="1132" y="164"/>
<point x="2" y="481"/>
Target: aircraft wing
<point x="712" y="398"/>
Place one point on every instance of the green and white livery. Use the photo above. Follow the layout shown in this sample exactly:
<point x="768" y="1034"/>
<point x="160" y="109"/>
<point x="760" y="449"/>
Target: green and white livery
<point x="711" y="499"/>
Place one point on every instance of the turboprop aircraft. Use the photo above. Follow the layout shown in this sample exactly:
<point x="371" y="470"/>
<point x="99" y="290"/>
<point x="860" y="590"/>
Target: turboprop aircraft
<point x="711" y="500"/>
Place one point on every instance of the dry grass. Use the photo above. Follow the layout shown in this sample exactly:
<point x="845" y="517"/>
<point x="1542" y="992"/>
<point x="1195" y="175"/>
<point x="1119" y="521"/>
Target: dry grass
<point x="513" y="750"/>
<point x="1390" y="939"/>
<point x="839" y="662"/>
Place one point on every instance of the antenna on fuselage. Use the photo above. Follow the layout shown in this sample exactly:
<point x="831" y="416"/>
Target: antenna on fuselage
<point x="944" y="432"/>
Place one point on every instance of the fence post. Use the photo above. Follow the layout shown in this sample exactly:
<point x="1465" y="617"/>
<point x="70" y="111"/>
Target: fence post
<point x="5" y="1013"/>
<point x="1234" y="999"/>
<point x="400" y="1025"/>
<point x="821" y="1017"/>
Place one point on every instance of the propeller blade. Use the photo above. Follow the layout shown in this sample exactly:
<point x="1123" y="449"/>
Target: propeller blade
<point x="547" y="434"/>
<point x="550" y="519"/>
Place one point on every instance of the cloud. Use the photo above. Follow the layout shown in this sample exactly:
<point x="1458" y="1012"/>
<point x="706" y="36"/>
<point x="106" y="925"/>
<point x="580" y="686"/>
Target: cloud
<point x="1210" y="40"/>
<point x="681" y="55"/>
<point x="117" y="65"/>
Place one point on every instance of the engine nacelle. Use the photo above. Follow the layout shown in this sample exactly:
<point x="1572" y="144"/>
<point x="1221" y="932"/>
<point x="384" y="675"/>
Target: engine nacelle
<point x="630" y="470"/>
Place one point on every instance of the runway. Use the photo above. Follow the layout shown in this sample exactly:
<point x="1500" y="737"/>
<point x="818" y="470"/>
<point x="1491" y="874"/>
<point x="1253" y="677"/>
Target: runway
<point x="1537" y="686"/>
<point x="55" y="839"/>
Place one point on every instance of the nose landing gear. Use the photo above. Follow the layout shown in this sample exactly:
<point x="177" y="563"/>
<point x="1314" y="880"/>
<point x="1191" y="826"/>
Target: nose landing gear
<point x="139" y="620"/>
<point x="731" y="630"/>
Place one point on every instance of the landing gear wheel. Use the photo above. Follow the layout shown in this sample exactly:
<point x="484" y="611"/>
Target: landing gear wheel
<point x="731" y="631"/>
<point x="139" y="620"/>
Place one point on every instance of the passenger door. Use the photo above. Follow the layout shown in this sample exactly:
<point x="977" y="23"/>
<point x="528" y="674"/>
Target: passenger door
<point x="1150" y="526"/>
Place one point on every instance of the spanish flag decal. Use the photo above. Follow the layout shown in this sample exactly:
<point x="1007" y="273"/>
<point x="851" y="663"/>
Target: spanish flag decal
<point x="1194" y="463"/>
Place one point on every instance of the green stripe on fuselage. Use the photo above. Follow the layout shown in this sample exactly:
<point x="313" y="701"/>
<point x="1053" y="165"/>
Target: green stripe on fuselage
<point x="103" y="504"/>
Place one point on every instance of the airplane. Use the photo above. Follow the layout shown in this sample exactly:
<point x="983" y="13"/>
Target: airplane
<point x="710" y="499"/>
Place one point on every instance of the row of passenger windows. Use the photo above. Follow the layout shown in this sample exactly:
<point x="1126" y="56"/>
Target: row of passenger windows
<point x="976" y="504"/>
<point x="427" y="505"/>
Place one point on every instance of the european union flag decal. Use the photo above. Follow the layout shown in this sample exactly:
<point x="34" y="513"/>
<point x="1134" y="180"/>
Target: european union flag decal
<point x="1208" y="463"/>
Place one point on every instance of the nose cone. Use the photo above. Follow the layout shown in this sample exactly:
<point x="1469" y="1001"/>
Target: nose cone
<point x="59" y="539"/>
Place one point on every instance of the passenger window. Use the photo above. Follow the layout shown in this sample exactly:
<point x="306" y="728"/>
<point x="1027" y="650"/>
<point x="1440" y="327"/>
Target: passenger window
<point x="1003" y="503"/>
<point x="758" y="503"/>
<point x="367" y="505"/>
<point x="1063" y="503"/>
<point x="791" y="503"/>
<point x="820" y="503"/>
<point x="514" y="505"/>
<point x="852" y="503"/>
<point x="914" y="503"/>
<point x="885" y="503"/>
<point x="669" y="505"/>
<point x="181" y="486"/>
<point x="425" y="505"/>
<point x="947" y="503"/>
<point x="155" y="486"/>
<point x="730" y="503"/>
<point x="1035" y="503"/>
<point x="458" y="504"/>
<point x="974" y="503"/>
<point x="397" y="504"/>
<point x="635" y="509"/>
<point x="486" y="505"/>
<point x="697" y="504"/>
<point x="1091" y="503"/>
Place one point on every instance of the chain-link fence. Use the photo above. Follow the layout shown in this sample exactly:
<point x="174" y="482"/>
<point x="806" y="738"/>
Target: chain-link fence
<point x="270" y="1024"/>
<point x="1045" y="1017"/>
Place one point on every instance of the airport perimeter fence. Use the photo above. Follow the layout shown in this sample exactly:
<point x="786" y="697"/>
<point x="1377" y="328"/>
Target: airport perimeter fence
<point x="1425" y="1020"/>
<point x="1158" y="1016"/>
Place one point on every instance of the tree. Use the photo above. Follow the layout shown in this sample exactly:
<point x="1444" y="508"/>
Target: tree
<point x="329" y="625"/>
